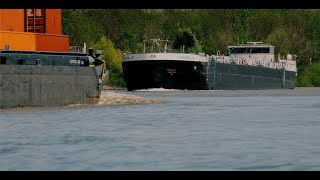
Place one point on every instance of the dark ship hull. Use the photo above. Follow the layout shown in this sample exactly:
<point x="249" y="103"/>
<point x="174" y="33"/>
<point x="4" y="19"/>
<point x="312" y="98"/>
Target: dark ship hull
<point x="47" y="79"/>
<point x="167" y="74"/>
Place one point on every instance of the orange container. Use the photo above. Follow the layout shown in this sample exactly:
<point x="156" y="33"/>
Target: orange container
<point x="34" y="41"/>
<point x="52" y="42"/>
<point x="13" y="27"/>
<point x="17" y="40"/>
<point x="53" y="21"/>
<point x="12" y="20"/>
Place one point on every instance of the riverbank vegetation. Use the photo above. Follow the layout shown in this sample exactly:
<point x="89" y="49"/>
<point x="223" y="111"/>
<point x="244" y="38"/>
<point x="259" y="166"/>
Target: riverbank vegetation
<point x="118" y="31"/>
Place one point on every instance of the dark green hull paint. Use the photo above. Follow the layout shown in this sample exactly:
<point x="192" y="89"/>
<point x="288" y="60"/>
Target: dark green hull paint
<point x="234" y="76"/>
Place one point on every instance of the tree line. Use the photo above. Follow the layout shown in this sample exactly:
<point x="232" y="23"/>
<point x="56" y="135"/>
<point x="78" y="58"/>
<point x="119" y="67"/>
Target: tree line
<point x="118" y="31"/>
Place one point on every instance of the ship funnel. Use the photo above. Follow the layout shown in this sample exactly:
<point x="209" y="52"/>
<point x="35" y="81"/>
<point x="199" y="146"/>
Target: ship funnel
<point x="91" y="51"/>
<point x="98" y="53"/>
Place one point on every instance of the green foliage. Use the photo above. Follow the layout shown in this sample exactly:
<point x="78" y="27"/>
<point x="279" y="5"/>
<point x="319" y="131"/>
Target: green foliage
<point x="80" y="28"/>
<point x="187" y="38"/>
<point x="281" y="40"/>
<point x="242" y="23"/>
<point x="262" y="24"/>
<point x="310" y="77"/>
<point x="113" y="58"/>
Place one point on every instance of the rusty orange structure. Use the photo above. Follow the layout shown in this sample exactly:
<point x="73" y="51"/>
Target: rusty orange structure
<point x="32" y="29"/>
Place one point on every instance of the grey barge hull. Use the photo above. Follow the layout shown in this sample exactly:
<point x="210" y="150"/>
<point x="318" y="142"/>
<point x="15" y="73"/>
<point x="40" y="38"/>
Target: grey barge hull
<point x="28" y="79"/>
<point x="26" y="85"/>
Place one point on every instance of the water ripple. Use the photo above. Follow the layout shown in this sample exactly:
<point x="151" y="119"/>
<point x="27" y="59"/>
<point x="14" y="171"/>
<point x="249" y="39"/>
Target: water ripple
<point x="168" y="130"/>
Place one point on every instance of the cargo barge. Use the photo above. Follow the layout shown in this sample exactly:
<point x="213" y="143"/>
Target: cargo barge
<point x="249" y="66"/>
<point x="36" y="66"/>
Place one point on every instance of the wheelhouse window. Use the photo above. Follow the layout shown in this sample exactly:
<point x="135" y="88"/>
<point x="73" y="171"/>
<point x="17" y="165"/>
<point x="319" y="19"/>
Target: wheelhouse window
<point x="238" y="50"/>
<point x="260" y="50"/>
<point x="249" y="50"/>
<point x="35" y="20"/>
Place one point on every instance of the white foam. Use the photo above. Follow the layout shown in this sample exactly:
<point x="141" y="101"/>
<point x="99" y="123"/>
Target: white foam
<point x="158" y="89"/>
<point x="111" y="98"/>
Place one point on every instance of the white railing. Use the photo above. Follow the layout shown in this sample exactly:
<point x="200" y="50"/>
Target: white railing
<point x="289" y="65"/>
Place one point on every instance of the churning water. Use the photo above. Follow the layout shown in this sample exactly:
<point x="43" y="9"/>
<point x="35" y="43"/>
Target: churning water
<point x="168" y="130"/>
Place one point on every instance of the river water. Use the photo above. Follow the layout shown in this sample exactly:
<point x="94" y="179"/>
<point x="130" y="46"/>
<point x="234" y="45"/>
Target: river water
<point x="168" y="130"/>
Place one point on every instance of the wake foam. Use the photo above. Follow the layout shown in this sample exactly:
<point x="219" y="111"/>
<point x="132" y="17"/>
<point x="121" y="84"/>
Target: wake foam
<point x="111" y="98"/>
<point x="158" y="89"/>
